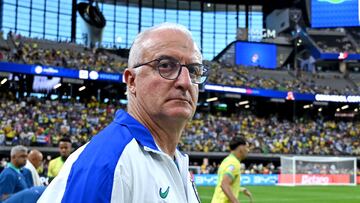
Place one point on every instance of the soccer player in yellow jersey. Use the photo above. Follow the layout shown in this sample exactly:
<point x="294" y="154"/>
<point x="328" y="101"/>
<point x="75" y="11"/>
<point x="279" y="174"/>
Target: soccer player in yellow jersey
<point x="228" y="186"/>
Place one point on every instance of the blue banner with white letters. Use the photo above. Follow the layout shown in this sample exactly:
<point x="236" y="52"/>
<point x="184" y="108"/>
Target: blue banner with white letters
<point x="117" y="77"/>
<point x="261" y="92"/>
<point x="246" y="179"/>
<point x="59" y="72"/>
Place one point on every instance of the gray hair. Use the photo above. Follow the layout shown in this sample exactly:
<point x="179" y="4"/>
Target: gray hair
<point x="18" y="148"/>
<point x="141" y="41"/>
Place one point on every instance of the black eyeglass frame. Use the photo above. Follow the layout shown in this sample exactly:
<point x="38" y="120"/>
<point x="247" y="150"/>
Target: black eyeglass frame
<point x="202" y="78"/>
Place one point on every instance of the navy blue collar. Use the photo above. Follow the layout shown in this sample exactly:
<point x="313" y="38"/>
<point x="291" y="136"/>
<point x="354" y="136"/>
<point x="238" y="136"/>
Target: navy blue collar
<point x="137" y="130"/>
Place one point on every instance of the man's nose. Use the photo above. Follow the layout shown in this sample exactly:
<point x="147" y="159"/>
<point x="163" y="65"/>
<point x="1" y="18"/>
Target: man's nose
<point x="184" y="80"/>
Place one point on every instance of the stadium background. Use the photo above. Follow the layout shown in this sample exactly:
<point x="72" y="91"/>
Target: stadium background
<point x="306" y="105"/>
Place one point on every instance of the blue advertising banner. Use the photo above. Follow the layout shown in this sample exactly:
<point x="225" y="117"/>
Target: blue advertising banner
<point x="59" y="72"/>
<point x="261" y="92"/>
<point x="116" y="77"/>
<point x="205" y="179"/>
<point x="259" y="179"/>
<point x="339" y="56"/>
<point x="246" y="179"/>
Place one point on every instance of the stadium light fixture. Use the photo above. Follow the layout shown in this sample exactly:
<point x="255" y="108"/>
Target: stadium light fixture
<point x="345" y="107"/>
<point x="243" y="102"/>
<point x="3" y="81"/>
<point x="81" y="88"/>
<point x="211" y="99"/>
<point x="57" y="86"/>
<point x="118" y="39"/>
<point x="307" y="106"/>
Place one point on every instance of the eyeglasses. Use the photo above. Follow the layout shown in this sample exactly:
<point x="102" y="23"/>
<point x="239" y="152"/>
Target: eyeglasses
<point x="170" y="69"/>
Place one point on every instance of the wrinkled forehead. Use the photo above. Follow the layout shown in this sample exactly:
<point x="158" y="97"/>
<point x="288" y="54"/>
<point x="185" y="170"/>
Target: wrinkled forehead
<point x="171" y="42"/>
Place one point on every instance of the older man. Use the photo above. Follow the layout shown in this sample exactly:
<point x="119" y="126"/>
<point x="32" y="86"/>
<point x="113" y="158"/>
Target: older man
<point x="14" y="177"/>
<point x="135" y="158"/>
<point x="35" y="158"/>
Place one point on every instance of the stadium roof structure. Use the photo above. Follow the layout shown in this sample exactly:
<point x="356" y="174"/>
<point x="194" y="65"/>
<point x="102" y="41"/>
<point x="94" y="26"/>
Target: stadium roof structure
<point x="269" y="5"/>
<point x="245" y="2"/>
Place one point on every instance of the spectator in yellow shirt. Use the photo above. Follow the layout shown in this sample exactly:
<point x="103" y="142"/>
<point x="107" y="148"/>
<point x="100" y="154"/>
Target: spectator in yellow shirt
<point x="56" y="164"/>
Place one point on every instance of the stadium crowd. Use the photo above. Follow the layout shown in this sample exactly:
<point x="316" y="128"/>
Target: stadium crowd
<point x="239" y="76"/>
<point x="35" y="122"/>
<point x="253" y="168"/>
<point x="69" y="55"/>
<point x="208" y="133"/>
<point x="63" y="54"/>
<point x="31" y="121"/>
<point x="334" y="44"/>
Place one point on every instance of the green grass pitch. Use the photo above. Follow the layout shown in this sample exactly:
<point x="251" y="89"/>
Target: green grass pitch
<point x="299" y="194"/>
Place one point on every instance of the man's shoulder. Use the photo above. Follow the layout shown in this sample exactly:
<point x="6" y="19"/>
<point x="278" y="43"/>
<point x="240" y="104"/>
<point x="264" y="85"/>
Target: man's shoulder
<point x="30" y="166"/>
<point x="111" y="136"/>
<point x="107" y="145"/>
<point x="103" y="152"/>
<point x="114" y="129"/>
<point x="230" y="160"/>
<point x="25" y="170"/>
<point x="8" y="173"/>
<point x="55" y="160"/>
<point x="96" y="163"/>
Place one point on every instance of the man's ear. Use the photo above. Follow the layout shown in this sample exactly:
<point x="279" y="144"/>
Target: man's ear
<point x="129" y="77"/>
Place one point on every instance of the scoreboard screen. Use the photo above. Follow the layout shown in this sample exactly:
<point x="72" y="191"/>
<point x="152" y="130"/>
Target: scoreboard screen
<point x="255" y="54"/>
<point x="335" y="13"/>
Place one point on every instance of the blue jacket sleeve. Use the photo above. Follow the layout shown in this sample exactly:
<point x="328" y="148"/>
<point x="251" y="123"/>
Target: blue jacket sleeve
<point x="7" y="183"/>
